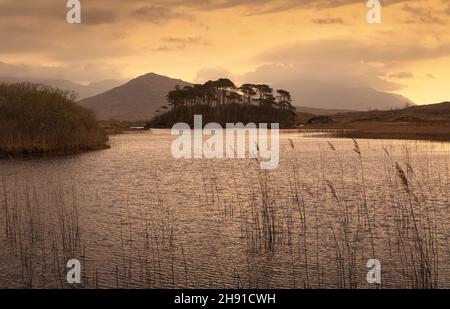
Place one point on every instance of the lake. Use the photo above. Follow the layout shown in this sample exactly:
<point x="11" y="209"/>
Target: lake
<point x="135" y="217"/>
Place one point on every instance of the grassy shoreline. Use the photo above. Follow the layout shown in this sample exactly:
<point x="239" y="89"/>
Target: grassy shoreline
<point x="56" y="153"/>
<point x="381" y="130"/>
<point x="422" y="122"/>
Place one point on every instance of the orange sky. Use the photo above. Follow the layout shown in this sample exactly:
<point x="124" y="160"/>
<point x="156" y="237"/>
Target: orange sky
<point x="270" y="41"/>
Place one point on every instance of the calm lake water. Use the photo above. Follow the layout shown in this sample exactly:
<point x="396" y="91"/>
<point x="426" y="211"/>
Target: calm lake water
<point x="135" y="217"/>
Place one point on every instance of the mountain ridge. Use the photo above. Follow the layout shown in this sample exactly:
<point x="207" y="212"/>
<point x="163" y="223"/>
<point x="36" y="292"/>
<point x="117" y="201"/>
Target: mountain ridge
<point x="142" y="96"/>
<point x="324" y="95"/>
<point x="139" y="98"/>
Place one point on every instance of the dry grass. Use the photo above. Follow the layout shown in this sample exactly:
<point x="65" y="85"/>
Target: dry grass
<point x="36" y="119"/>
<point x="386" y="130"/>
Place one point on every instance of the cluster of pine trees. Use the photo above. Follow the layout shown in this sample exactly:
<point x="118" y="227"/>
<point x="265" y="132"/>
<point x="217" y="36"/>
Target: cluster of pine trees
<point x="223" y="102"/>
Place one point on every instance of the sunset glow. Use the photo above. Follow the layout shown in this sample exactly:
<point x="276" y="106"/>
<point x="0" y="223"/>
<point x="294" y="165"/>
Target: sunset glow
<point x="269" y="41"/>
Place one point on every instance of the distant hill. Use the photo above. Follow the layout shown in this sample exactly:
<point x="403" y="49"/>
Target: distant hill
<point x="421" y="122"/>
<point x="136" y="100"/>
<point x="436" y="113"/>
<point x="335" y="97"/>
<point x="320" y="111"/>
<point x="83" y="91"/>
<point x="141" y="97"/>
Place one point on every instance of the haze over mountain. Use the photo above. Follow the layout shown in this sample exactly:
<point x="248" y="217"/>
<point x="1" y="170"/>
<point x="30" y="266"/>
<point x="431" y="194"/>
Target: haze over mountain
<point x="138" y="99"/>
<point x="141" y="97"/>
<point x="83" y="91"/>
<point x="321" y="111"/>
<point x="431" y="113"/>
<point x="322" y="95"/>
<point x="419" y="122"/>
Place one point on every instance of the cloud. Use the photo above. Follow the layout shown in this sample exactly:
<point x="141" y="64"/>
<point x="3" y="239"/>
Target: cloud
<point x="134" y="34"/>
<point x="53" y="11"/>
<point x="91" y="71"/>
<point x="348" y="75"/>
<point x="328" y="21"/>
<point x="162" y="48"/>
<point x="343" y="62"/>
<point x="422" y="15"/>
<point x="18" y="40"/>
<point x="259" y="7"/>
<point x="99" y="17"/>
<point x="207" y="74"/>
<point x="351" y="50"/>
<point x="185" y="41"/>
<point x="39" y="29"/>
<point x="37" y="9"/>
<point x="158" y="14"/>
<point x="402" y="75"/>
<point x="178" y="43"/>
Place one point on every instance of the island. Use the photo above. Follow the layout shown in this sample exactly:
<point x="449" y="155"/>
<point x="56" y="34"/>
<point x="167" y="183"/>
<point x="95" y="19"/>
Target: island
<point x="40" y="120"/>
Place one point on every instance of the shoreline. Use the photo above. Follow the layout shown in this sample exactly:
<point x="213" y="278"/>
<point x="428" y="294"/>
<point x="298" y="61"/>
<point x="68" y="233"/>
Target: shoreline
<point x="385" y="130"/>
<point x="55" y="153"/>
<point x="321" y="130"/>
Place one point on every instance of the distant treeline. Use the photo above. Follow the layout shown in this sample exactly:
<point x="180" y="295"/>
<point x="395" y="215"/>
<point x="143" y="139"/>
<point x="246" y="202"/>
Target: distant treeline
<point x="37" y="119"/>
<point x="223" y="102"/>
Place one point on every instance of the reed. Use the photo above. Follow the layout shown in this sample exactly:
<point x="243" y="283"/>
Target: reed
<point x="314" y="223"/>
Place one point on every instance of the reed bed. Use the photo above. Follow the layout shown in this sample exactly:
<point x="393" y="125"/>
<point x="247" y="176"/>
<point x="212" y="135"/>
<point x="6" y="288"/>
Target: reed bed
<point x="310" y="224"/>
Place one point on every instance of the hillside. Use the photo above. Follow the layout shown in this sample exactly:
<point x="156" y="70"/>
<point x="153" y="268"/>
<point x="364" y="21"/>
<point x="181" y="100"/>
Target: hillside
<point x="336" y="97"/>
<point x="136" y="100"/>
<point x="320" y="111"/>
<point x="416" y="122"/>
<point x="421" y="113"/>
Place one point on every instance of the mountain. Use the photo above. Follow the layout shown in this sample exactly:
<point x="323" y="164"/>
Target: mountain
<point x="139" y="98"/>
<point x="322" y="95"/>
<point x="83" y="91"/>
<point x="136" y="100"/>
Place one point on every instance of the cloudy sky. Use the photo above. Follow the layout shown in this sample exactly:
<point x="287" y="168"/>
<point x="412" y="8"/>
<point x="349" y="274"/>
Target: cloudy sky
<point x="272" y="41"/>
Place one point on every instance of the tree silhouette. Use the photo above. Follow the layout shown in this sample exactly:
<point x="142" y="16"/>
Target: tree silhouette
<point x="221" y="101"/>
<point x="249" y="92"/>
